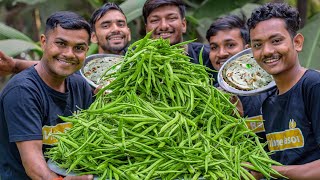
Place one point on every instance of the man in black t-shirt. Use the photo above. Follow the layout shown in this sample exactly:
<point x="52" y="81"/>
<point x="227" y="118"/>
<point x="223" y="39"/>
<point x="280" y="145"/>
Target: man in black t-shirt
<point x="227" y="36"/>
<point x="33" y="99"/>
<point x="110" y="32"/>
<point x="166" y="18"/>
<point x="291" y="113"/>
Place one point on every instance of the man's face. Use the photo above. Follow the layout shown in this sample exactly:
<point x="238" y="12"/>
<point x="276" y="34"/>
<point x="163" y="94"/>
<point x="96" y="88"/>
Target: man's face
<point x="111" y="32"/>
<point x="223" y="45"/>
<point x="166" y="22"/>
<point x="273" y="47"/>
<point x="64" y="51"/>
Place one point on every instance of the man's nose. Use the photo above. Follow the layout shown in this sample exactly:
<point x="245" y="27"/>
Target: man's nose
<point x="267" y="50"/>
<point x="222" y="53"/>
<point x="115" y="27"/>
<point x="69" y="52"/>
<point x="163" y="24"/>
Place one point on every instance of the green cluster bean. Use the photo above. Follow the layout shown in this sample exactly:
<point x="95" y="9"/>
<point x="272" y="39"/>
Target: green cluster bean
<point x="162" y="120"/>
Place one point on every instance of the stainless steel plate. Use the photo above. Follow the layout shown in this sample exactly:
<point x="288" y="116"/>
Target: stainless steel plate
<point x="95" y="66"/>
<point x="56" y="169"/>
<point x="229" y="88"/>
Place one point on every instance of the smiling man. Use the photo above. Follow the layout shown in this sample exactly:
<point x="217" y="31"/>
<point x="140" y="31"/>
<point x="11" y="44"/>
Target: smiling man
<point x="227" y="36"/>
<point x="110" y="30"/>
<point x="166" y="18"/>
<point x="291" y="113"/>
<point x="33" y="99"/>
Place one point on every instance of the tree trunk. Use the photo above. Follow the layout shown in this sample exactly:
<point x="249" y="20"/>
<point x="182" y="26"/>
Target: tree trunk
<point x="302" y="8"/>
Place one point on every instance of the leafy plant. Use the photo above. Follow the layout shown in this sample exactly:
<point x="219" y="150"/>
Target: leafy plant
<point x="310" y="55"/>
<point x="13" y="42"/>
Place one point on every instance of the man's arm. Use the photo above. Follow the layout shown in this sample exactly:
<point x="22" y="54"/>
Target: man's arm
<point x="35" y="165"/>
<point x="8" y="65"/>
<point x="33" y="160"/>
<point x="309" y="171"/>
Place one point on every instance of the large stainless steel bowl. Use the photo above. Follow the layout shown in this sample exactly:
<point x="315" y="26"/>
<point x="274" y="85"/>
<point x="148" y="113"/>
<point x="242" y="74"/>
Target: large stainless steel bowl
<point x="229" y="88"/>
<point x="95" y="66"/>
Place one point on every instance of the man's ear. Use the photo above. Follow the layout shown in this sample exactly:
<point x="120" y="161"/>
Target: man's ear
<point x="129" y="37"/>
<point x="298" y="42"/>
<point x="43" y="40"/>
<point x="94" y="38"/>
<point x="184" y="25"/>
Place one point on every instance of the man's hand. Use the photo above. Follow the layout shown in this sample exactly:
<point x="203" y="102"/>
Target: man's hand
<point x="7" y="64"/>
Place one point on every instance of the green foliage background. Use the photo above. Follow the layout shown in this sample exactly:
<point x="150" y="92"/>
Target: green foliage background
<point x="22" y="21"/>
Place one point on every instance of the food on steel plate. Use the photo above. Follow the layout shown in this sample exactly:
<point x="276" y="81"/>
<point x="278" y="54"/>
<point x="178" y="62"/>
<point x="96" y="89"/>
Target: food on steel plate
<point x="244" y="73"/>
<point x="96" y="68"/>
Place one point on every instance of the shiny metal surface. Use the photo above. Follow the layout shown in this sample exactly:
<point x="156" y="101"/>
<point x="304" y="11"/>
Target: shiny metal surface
<point x="224" y="85"/>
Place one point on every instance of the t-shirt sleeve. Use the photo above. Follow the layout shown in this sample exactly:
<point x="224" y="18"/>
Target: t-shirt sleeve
<point x="313" y="109"/>
<point x="23" y="114"/>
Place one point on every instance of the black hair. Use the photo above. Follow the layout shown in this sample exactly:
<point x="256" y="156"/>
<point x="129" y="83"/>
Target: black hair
<point x="151" y="5"/>
<point x="276" y="10"/>
<point x="67" y="20"/>
<point x="229" y="22"/>
<point x="97" y="14"/>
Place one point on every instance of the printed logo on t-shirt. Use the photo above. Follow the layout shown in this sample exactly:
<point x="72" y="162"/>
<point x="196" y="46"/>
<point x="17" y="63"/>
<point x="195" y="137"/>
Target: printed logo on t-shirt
<point x="256" y="127"/>
<point x="47" y="132"/>
<point x="288" y="139"/>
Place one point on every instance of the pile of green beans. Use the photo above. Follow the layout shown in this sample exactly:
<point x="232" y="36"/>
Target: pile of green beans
<point x="162" y="120"/>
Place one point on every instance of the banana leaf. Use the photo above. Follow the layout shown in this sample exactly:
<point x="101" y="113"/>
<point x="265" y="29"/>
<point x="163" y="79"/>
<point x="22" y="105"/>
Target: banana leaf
<point x="310" y="55"/>
<point x="13" y="47"/>
<point x="132" y="9"/>
<point x="29" y="2"/>
<point x="11" y="33"/>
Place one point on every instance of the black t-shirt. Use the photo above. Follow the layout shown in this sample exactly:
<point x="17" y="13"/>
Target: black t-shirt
<point x="252" y="110"/>
<point x="194" y="49"/>
<point x="292" y="121"/>
<point x="29" y="110"/>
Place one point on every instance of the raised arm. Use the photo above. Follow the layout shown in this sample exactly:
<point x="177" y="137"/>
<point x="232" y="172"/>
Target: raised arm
<point x="8" y="65"/>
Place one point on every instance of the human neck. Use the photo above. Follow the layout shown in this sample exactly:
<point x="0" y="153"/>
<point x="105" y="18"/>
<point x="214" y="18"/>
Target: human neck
<point x="101" y="51"/>
<point x="287" y="79"/>
<point x="52" y="81"/>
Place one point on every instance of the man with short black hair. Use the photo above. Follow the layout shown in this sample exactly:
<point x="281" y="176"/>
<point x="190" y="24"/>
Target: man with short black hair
<point x="291" y="113"/>
<point x="110" y="32"/>
<point x="166" y="18"/>
<point x="227" y="36"/>
<point x="110" y="29"/>
<point x="33" y="99"/>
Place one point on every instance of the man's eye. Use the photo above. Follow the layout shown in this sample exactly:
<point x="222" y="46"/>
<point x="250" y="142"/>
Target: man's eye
<point x="230" y="45"/>
<point x="276" y="41"/>
<point x="154" y="20"/>
<point x="256" y="45"/>
<point x="80" y="48"/>
<point x="105" y="26"/>
<point x="121" y="24"/>
<point x="214" y="47"/>
<point x="60" y="43"/>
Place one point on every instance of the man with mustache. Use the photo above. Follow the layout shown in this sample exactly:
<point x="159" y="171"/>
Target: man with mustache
<point x="291" y="113"/>
<point x="110" y="32"/>
<point x="33" y="99"/>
